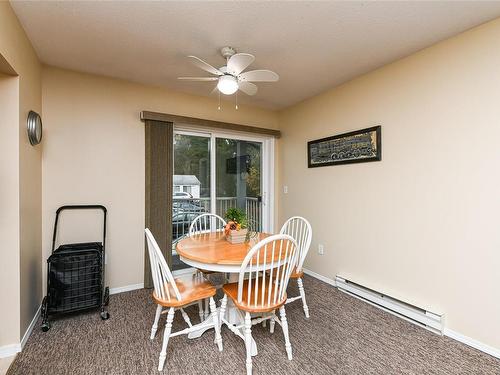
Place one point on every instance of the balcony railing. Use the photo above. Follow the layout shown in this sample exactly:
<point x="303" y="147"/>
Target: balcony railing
<point x="185" y="210"/>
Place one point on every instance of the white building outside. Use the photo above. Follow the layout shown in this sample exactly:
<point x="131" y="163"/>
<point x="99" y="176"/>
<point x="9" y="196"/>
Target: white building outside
<point x="187" y="184"/>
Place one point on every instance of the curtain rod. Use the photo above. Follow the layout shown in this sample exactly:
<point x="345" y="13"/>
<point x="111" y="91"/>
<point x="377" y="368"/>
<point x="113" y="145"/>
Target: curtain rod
<point x="165" y="117"/>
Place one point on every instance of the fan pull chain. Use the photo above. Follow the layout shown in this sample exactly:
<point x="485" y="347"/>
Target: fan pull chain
<point x="219" y="100"/>
<point x="236" y="100"/>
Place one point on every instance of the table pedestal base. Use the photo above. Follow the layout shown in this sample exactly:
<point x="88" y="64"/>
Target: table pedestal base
<point x="232" y="316"/>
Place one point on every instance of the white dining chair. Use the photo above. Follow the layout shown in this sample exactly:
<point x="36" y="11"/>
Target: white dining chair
<point x="300" y="230"/>
<point x="206" y="223"/>
<point x="261" y="289"/>
<point x="176" y="294"/>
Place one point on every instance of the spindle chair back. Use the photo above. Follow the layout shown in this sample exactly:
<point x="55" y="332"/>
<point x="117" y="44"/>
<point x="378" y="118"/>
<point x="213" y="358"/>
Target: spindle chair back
<point x="163" y="280"/>
<point x="300" y="229"/>
<point x="207" y="223"/>
<point x="265" y="286"/>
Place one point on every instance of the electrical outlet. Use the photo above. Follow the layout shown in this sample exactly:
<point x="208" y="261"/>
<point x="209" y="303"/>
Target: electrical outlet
<point x="321" y="249"/>
<point x="285" y="189"/>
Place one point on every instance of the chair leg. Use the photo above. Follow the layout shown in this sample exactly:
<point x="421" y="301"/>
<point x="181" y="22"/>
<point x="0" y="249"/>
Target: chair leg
<point x="166" y="337"/>
<point x="186" y="318"/>
<point x="303" y="295"/>
<point x="248" y="342"/>
<point x="222" y="311"/>
<point x="155" y="324"/>
<point x="207" y="309"/>
<point x="284" y="326"/>
<point x="272" y="322"/>
<point x="213" y="309"/>
<point x="201" y="312"/>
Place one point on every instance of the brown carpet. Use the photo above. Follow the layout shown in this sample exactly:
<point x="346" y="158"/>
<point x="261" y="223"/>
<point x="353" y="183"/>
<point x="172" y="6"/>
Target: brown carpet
<point x="343" y="336"/>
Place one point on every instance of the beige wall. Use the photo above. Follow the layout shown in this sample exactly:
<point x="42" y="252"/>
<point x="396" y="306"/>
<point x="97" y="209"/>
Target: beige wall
<point x="30" y="194"/>
<point x="17" y="51"/>
<point x="94" y="153"/>
<point x="422" y="224"/>
<point x="9" y="213"/>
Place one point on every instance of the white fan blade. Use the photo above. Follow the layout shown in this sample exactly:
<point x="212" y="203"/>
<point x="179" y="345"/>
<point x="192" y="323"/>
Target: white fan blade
<point x="259" y="76"/>
<point x="205" y="66"/>
<point x="239" y="62"/>
<point x="248" y="88"/>
<point x="198" y="78"/>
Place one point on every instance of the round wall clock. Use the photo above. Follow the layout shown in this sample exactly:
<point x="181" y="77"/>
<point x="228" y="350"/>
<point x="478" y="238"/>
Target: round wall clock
<point x="34" y="128"/>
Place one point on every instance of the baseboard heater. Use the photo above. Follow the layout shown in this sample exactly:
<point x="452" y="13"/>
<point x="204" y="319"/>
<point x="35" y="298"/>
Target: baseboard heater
<point x="421" y="317"/>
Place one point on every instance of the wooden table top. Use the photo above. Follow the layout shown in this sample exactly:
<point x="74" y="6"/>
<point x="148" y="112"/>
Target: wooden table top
<point x="213" y="248"/>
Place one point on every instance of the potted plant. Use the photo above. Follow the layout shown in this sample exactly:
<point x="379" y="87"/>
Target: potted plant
<point x="237" y="226"/>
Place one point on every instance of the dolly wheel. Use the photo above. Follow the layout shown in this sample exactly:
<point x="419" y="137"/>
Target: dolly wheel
<point x="44" y="314"/>
<point x="104" y="315"/>
<point x="45" y="326"/>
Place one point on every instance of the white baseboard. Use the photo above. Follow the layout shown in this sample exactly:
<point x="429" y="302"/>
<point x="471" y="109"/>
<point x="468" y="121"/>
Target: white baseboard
<point x="447" y="332"/>
<point x="126" y="288"/>
<point x="319" y="277"/>
<point x="9" y="350"/>
<point x="472" y="343"/>
<point x="27" y="334"/>
<point x="13" y="349"/>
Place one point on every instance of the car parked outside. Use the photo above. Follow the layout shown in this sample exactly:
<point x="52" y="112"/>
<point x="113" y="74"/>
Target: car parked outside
<point x="182" y="195"/>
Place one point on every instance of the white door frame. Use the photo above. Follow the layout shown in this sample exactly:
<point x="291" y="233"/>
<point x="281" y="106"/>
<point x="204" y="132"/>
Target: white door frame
<point x="267" y="167"/>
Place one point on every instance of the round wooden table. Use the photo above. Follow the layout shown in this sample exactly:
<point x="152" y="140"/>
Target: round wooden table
<point x="212" y="252"/>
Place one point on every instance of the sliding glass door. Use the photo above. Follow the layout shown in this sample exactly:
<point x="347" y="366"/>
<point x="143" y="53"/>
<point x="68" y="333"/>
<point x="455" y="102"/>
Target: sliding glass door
<point x="238" y="175"/>
<point x="214" y="172"/>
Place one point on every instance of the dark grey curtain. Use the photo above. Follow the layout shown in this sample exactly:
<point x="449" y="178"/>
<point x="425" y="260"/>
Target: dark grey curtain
<point x="159" y="175"/>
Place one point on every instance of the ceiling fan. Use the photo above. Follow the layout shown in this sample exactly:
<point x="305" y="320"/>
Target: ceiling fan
<point x="230" y="77"/>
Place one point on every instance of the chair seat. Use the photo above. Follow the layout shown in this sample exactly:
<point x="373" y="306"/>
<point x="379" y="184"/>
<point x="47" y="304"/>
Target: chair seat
<point x="191" y="288"/>
<point x="231" y="290"/>
<point x="295" y="274"/>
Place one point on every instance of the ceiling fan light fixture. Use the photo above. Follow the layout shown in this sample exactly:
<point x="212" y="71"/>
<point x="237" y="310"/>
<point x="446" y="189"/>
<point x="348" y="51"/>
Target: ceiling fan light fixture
<point x="232" y="76"/>
<point x="227" y="84"/>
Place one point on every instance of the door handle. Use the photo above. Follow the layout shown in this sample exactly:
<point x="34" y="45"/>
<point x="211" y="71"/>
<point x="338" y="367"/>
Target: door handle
<point x="262" y="198"/>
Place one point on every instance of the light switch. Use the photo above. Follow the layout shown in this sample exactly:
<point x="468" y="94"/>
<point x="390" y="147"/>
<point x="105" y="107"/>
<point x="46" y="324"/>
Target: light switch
<point x="321" y="249"/>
